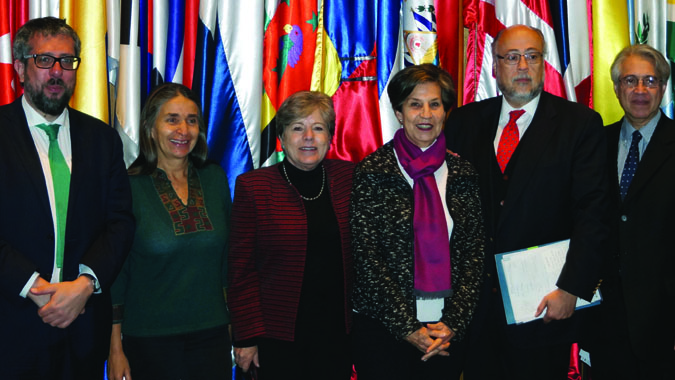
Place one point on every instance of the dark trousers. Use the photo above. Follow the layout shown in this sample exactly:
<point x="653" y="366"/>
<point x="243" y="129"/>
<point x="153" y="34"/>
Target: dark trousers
<point x="204" y="354"/>
<point x="491" y="355"/>
<point x="325" y="358"/>
<point x="613" y="357"/>
<point x="379" y="355"/>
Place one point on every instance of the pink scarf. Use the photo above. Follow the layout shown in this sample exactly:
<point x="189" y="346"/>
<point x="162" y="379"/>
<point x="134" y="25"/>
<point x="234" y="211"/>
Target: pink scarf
<point x="432" y="247"/>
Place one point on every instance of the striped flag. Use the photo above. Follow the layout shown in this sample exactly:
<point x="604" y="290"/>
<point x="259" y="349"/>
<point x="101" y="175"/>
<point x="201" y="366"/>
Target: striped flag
<point x="7" y="83"/>
<point x="571" y="26"/>
<point x="227" y="78"/>
<point x="485" y="18"/>
<point x="450" y="32"/>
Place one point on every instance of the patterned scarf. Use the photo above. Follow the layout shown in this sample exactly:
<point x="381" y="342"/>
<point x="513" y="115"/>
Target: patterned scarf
<point x="432" y="248"/>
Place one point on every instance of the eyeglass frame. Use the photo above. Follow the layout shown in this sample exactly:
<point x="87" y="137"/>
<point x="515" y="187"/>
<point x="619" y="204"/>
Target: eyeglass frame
<point x="530" y="61"/>
<point x="75" y="59"/>
<point x="641" y="80"/>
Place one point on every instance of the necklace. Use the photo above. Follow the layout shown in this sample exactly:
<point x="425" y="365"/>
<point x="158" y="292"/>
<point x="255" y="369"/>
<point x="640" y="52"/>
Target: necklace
<point x="323" y="183"/>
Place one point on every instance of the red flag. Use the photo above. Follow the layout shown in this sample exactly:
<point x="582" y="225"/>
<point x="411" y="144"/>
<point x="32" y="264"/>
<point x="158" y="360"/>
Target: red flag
<point x="289" y="46"/>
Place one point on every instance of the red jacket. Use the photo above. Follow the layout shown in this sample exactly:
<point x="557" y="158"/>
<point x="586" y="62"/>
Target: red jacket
<point x="268" y="246"/>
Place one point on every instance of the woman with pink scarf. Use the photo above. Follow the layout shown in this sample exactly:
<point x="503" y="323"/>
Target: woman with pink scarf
<point x="418" y="240"/>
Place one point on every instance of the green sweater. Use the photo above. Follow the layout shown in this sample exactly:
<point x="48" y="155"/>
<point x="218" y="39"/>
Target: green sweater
<point x="173" y="280"/>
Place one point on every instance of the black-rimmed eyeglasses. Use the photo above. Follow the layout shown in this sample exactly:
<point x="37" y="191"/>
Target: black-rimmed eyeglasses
<point x="649" y="81"/>
<point x="46" y="61"/>
<point x="514" y="58"/>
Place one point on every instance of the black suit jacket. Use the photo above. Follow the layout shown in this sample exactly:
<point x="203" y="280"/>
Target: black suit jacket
<point x="99" y="232"/>
<point x="557" y="189"/>
<point x="644" y="241"/>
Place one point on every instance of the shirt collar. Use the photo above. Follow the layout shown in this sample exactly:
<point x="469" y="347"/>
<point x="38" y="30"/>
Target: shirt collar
<point x="646" y="131"/>
<point x="34" y="118"/>
<point x="530" y="108"/>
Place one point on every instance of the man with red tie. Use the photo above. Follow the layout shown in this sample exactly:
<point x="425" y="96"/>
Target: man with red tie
<point x="541" y="161"/>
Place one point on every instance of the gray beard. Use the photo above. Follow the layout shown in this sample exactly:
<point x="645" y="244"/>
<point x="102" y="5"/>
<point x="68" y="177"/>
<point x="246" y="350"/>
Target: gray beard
<point x="522" y="98"/>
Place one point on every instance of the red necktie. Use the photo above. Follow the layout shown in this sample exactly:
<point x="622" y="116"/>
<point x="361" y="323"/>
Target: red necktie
<point x="509" y="140"/>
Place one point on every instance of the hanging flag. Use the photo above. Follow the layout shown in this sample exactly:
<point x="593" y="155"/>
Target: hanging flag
<point x="127" y="114"/>
<point x="389" y="46"/>
<point x="485" y="18"/>
<point x="227" y="79"/>
<point x="670" y="30"/>
<point x="650" y="27"/>
<point x="450" y="30"/>
<point x="610" y="18"/>
<point x="357" y="129"/>
<point x="289" y="49"/>
<point x="7" y="84"/>
<point x="571" y="26"/>
<point x="419" y="32"/>
<point x="91" y="91"/>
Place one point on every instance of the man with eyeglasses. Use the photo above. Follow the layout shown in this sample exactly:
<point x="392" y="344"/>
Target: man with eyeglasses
<point x="635" y="325"/>
<point x="541" y="161"/>
<point x="66" y="223"/>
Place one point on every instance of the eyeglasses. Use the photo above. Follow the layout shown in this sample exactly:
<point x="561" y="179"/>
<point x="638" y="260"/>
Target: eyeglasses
<point x="46" y="61"/>
<point x="514" y="58"/>
<point x="649" y="81"/>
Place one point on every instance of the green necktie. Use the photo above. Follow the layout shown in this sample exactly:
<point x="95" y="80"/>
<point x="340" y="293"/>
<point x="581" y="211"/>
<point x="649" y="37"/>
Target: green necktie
<point x="61" y="181"/>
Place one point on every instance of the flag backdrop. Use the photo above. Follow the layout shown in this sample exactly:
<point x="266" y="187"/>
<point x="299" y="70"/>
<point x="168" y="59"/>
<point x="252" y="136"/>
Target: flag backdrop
<point x="243" y="58"/>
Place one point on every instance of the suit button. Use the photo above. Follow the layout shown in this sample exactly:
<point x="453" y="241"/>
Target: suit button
<point x="50" y="237"/>
<point x="624" y="218"/>
<point x="494" y="290"/>
<point x="501" y="203"/>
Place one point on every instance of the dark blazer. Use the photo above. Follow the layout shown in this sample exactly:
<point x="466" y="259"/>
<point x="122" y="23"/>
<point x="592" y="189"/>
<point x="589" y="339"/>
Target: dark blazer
<point x="99" y="232"/>
<point x="382" y="226"/>
<point x="557" y="189"/>
<point x="268" y="250"/>
<point x="644" y="241"/>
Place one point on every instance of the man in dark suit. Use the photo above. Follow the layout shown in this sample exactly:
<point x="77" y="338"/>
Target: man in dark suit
<point x="635" y="330"/>
<point x="67" y="223"/>
<point x="541" y="161"/>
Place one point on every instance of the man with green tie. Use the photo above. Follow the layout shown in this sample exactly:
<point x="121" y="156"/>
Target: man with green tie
<point x="66" y="223"/>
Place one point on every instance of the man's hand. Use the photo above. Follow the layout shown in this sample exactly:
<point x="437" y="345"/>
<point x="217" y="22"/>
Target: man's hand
<point x="67" y="300"/>
<point x="558" y="304"/>
<point x="40" y="300"/>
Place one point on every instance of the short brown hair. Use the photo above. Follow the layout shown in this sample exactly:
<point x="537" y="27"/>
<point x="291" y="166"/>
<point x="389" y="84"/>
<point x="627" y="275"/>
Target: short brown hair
<point x="405" y="81"/>
<point x="302" y="104"/>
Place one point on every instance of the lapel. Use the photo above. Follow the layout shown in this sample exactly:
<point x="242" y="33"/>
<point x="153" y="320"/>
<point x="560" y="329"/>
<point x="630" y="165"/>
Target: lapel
<point x="26" y="154"/>
<point x="490" y="118"/>
<point x="530" y="150"/>
<point x="660" y="148"/>
<point x="613" y="134"/>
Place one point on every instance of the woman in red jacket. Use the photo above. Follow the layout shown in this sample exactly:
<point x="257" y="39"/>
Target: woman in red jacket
<point x="290" y="263"/>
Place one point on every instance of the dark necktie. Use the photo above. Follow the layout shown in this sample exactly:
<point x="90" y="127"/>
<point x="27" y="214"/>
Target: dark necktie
<point x="61" y="181"/>
<point x="631" y="164"/>
<point x="509" y="139"/>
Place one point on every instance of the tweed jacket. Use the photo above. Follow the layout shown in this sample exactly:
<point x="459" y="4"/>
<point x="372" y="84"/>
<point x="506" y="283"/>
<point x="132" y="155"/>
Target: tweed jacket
<point x="268" y="247"/>
<point x="381" y="219"/>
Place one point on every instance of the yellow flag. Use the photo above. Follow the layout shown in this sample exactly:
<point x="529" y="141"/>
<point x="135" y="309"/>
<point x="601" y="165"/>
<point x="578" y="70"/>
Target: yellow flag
<point x="610" y="35"/>
<point x="88" y="18"/>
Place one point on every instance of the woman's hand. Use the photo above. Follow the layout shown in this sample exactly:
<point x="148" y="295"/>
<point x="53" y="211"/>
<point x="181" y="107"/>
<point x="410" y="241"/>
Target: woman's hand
<point x="432" y="340"/>
<point x="243" y="356"/>
<point x="118" y="366"/>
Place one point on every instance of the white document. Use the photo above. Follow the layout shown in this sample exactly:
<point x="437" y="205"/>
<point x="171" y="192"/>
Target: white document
<point x="528" y="275"/>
